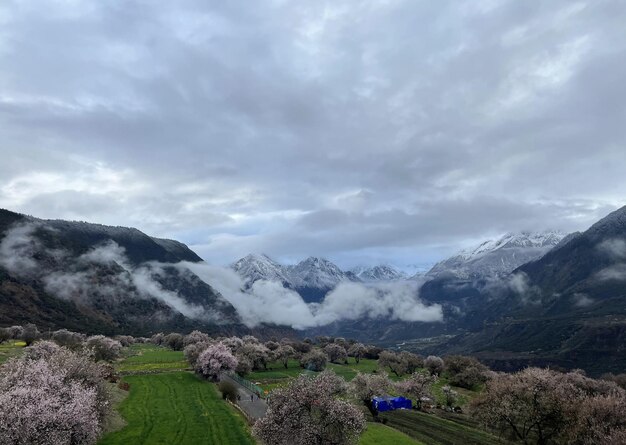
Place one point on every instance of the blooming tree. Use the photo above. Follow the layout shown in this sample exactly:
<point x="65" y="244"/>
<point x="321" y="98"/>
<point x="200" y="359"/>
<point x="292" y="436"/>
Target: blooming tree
<point x="357" y="351"/>
<point x="195" y="337"/>
<point x="434" y="364"/>
<point x="215" y="359"/>
<point x="51" y="395"/>
<point x="336" y="353"/>
<point x="551" y="407"/>
<point x="395" y="362"/>
<point x="314" y="360"/>
<point x="309" y="412"/>
<point x="364" y="387"/>
<point x="193" y="350"/>
<point x="417" y="386"/>
<point x="103" y="348"/>
<point x="283" y="353"/>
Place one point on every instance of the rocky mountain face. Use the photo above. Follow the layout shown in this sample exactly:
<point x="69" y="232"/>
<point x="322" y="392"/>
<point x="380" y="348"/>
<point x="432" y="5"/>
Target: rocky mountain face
<point x="567" y="307"/>
<point x="97" y="278"/>
<point x="497" y="257"/>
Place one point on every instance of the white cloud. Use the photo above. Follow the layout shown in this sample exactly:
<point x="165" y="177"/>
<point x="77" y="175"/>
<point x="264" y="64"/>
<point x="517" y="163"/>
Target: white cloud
<point x="270" y="302"/>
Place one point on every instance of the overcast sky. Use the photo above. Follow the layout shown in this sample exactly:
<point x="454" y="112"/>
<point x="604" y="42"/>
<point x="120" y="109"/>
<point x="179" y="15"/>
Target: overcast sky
<point x="372" y="131"/>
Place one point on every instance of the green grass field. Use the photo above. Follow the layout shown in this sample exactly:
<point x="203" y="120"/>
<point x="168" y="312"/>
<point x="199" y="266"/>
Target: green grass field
<point x="176" y="408"/>
<point x="435" y="430"/>
<point x="147" y="358"/>
<point x="377" y="434"/>
<point x="10" y="349"/>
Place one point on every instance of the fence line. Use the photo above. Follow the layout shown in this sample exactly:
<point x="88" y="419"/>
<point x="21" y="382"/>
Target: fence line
<point x="246" y="383"/>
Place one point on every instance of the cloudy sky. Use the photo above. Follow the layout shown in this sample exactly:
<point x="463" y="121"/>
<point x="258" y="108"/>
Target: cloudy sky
<point x="363" y="131"/>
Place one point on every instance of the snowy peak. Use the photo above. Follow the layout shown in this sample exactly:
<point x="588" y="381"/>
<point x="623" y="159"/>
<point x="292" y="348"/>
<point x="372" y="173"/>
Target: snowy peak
<point x="514" y="240"/>
<point x="382" y="272"/>
<point x="256" y="267"/>
<point x="317" y="273"/>
<point x="498" y="256"/>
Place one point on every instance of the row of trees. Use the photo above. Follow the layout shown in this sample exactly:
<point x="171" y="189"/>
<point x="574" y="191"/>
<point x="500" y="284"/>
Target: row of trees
<point x="548" y="407"/>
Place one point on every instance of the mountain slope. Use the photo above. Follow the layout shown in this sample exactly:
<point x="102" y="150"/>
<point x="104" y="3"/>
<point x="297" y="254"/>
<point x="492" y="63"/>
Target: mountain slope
<point x="497" y="257"/>
<point x="98" y="278"/>
<point x="567" y="307"/>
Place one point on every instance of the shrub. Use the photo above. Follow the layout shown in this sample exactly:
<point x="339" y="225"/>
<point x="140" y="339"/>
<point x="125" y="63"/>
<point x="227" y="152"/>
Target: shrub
<point x="229" y="390"/>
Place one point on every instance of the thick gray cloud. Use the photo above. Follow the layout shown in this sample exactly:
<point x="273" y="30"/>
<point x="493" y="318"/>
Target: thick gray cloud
<point x="362" y="131"/>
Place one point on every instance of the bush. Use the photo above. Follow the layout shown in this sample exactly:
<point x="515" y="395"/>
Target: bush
<point x="124" y="386"/>
<point x="229" y="390"/>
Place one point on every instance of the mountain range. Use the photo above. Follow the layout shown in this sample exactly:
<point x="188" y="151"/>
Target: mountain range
<point x="527" y="298"/>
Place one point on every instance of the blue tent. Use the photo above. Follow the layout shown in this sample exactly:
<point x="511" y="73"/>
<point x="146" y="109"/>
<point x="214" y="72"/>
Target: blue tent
<point x="401" y="403"/>
<point x="382" y="404"/>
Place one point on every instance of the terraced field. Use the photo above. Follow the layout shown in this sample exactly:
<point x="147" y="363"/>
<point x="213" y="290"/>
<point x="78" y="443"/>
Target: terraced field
<point x="377" y="434"/>
<point x="435" y="430"/>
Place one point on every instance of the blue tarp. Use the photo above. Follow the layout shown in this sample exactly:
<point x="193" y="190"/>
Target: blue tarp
<point x="382" y="404"/>
<point x="401" y="403"/>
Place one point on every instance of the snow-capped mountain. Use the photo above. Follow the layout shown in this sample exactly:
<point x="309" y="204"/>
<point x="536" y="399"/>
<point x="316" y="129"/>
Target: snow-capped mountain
<point x="378" y="273"/>
<point x="498" y="256"/>
<point x="317" y="273"/>
<point x="256" y="267"/>
<point x="312" y="277"/>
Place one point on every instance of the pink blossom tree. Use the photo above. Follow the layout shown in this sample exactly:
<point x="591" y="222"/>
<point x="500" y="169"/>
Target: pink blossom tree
<point x="364" y="387"/>
<point x="417" y="387"/>
<point x="215" y="359"/>
<point x="309" y="412"/>
<point x="51" y="395"/>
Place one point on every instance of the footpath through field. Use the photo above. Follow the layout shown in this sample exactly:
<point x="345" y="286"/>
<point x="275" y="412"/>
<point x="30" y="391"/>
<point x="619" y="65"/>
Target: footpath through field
<point x="249" y="402"/>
